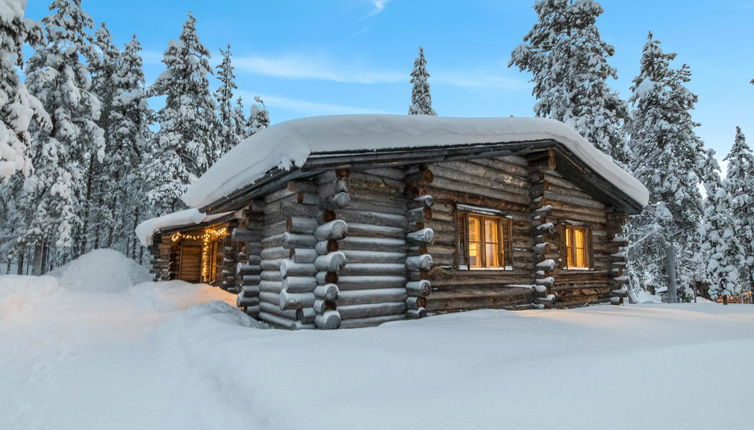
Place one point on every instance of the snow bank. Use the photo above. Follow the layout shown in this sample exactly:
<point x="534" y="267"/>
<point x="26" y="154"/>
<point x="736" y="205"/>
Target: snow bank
<point x="147" y="229"/>
<point x="101" y="270"/>
<point x="290" y="143"/>
<point x="176" y="295"/>
<point x="21" y="293"/>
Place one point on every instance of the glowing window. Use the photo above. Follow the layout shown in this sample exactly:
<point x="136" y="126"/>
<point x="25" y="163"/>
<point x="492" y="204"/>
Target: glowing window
<point x="485" y="241"/>
<point x="577" y="247"/>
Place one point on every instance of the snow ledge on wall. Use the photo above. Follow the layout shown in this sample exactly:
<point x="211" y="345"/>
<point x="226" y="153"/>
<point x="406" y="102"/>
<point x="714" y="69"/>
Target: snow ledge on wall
<point x="290" y="143"/>
<point x="146" y="230"/>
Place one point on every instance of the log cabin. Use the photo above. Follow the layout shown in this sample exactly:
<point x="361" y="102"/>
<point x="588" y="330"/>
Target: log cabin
<point x="352" y="221"/>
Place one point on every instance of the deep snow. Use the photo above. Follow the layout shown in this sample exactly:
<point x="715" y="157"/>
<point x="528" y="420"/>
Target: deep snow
<point x="145" y="357"/>
<point x="290" y="143"/>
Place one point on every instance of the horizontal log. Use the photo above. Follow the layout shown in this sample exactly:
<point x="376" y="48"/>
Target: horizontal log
<point x="369" y="230"/>
<point x="244" y="235"/>
<point x="295" y="300"/>
<point x="300" y="225"/>
<point x="328" y="320"/>
<point x="423" y="236"/>
<point x="337" y="201"/>
<point x="369" y="282"/>
<point x="379" y="295"/>
<point x="321" y="306"/>
<point x="373" y="269"/>
<point x="355" y="256"/>
<point x="326" y="292"/>
<point x="416" y="302"/>
<point x="372" y="244"/>
<point x="331" y="262"/>
<point x="277" y="320"/>
<point x="419" y="288"/>
<point x="299" y="284"/>
<point x="419" y="262"/>
<point x="371" y="310"/>
<point x="290" y="268"/>
<point x="372" y="218"/>
<point x="303" y="255"/>
<point x="336" y="230"/>
<point x="326" y="246"/>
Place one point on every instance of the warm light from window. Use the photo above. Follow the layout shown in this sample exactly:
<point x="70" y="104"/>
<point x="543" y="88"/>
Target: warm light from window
<point x="576" y="247"/>
<point x="485" y="236"/>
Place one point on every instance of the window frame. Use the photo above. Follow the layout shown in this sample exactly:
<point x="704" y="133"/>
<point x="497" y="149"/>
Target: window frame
<point x="504" y="248"/>
<point x="570" y="251"/>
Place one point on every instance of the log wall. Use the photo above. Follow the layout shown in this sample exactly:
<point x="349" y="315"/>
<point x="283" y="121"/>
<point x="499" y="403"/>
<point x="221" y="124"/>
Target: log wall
<point x="496" y="183"/>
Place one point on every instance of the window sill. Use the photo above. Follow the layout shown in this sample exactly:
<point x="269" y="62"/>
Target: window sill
<point x="486" y="269"/>
<point x="578" y="269"/>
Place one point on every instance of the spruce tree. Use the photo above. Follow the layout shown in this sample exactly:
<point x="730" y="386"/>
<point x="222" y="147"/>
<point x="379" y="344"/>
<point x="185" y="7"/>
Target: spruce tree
<point x="58" y="78"/>
<point x="17" y="106"/>
<point x="722" y="248"/>
<point x="740" y="186"/>
<point x="666" y="159"/>
<point x="228" y="114"/>
<point x="259" y="117"/>
<point x="131" y="137"/>
<point x="239" y="120"/>
<point x="421" y="100"/>
<point x="567" y="58"/>
<point x="186" y="140"/>
<point x="96" y="212"/>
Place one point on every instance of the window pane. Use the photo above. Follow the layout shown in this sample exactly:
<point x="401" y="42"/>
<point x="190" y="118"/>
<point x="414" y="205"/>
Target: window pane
<point x="491" y="228"/>
<point x="568" y="236"/>
<point x="474" y="256"/>
<point x="474" y="229"/>
<point x="492" y="254"/>
<point x="580" y="258"/>
<point x="579" y="238"/>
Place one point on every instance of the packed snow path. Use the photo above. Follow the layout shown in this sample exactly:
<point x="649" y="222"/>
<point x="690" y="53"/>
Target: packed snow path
<point x="136" y="359"/>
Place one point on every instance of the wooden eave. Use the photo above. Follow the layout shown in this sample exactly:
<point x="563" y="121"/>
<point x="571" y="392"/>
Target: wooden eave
<point x="185" y="227"/>
<point x="568" y="165"/>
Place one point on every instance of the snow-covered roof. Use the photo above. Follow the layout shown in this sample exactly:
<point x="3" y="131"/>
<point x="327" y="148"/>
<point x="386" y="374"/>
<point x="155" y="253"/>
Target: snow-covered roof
<point x="289" y="144"/>
<point x="146" y="230"/>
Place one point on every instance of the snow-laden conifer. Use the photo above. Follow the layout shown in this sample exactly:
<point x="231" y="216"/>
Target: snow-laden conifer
<point x="57" y="76"/>
<point x="740" y="186"/>
<point x="17" y="106"/>
<point x="187" y="135"/>
<point x="421" y="100"/>
<point x="567" y="58"/>
<point x="229" y="115"/>
<point x="665" y="157"/>
<point x="259" y="117"/>
<point x="722" y="248"/>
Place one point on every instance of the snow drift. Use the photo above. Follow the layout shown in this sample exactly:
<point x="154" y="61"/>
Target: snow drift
<point x="101" y="270"/>
<point x="290" y="143"/>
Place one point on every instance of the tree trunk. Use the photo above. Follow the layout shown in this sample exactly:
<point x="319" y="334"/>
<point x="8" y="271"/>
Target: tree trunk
<point x="87" y="205"/>
<point x="20" y="267"/>
<point x="37" y="259"/>
<point x="670" y="271"/>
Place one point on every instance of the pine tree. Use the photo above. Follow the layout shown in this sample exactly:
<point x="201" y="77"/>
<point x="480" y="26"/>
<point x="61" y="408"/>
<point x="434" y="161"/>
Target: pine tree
<point x="421" y="100"/>
<point x="667" y="159"/>
<point x="722" y="248"/>
<point x="186" y="140"/>
<point x="57" y="77"/>
<point x="740" y="186"/>
<point x="102" y="65"/>
<point x="131" y="137"/>
<point x="17" y="106"/>
<point x="239" y="120"/>
<point x="568" y="62"/>
<point x="228" y="113"/>
<point x="258" y="117"/>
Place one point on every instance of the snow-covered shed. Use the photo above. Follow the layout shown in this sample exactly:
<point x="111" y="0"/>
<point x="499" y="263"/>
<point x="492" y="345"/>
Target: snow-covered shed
<point x="347" y="221"/>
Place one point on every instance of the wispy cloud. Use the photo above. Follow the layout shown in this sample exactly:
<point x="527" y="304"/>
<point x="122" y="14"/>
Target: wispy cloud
<point x="316" y="68"/>
<point x="306" y="107"/>
<point x="323" y="68"/>
<point x="150" y="56"/>
<point x="378" y="6"/>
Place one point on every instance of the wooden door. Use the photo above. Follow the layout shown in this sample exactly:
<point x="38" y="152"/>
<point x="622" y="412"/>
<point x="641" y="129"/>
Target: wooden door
<point x="190" y="263"/>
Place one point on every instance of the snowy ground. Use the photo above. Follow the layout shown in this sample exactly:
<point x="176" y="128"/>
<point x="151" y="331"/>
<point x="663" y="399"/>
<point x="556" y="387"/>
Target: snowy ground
<point x="100" y="356"/>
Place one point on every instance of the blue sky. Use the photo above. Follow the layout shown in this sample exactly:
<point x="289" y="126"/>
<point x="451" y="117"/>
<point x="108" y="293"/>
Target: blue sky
<point x="354" y="56"/>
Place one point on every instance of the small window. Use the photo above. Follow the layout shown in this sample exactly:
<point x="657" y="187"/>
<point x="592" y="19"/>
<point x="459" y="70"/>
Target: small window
<point x="486" y="241"/>
<point x="577" y="247"/>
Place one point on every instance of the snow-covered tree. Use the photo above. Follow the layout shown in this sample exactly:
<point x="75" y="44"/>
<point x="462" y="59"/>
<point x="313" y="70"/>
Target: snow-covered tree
<point x="239" y="119"/>
<point x="58" y="78"/>
<point x="130" y="118"/>
<point x="666" y="158"/>
<point x="96" y="214"/>
<point x="187" y="136"/>
<point x="230" y="116"/>
<point x="740" y="186"/>
<point x="421" y="99"/>
<point x="259" y="117"/>
<point x="568" y="62"/>
<point x="17" y="106"/>
<point x="723" y="247"/>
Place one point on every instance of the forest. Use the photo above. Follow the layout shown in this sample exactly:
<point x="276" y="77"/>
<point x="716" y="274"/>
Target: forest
<point x="89" y="148"/>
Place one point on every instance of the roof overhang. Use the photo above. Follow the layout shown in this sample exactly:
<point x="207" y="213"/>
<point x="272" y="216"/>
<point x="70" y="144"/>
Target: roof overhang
<point x="568" y="164"/>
